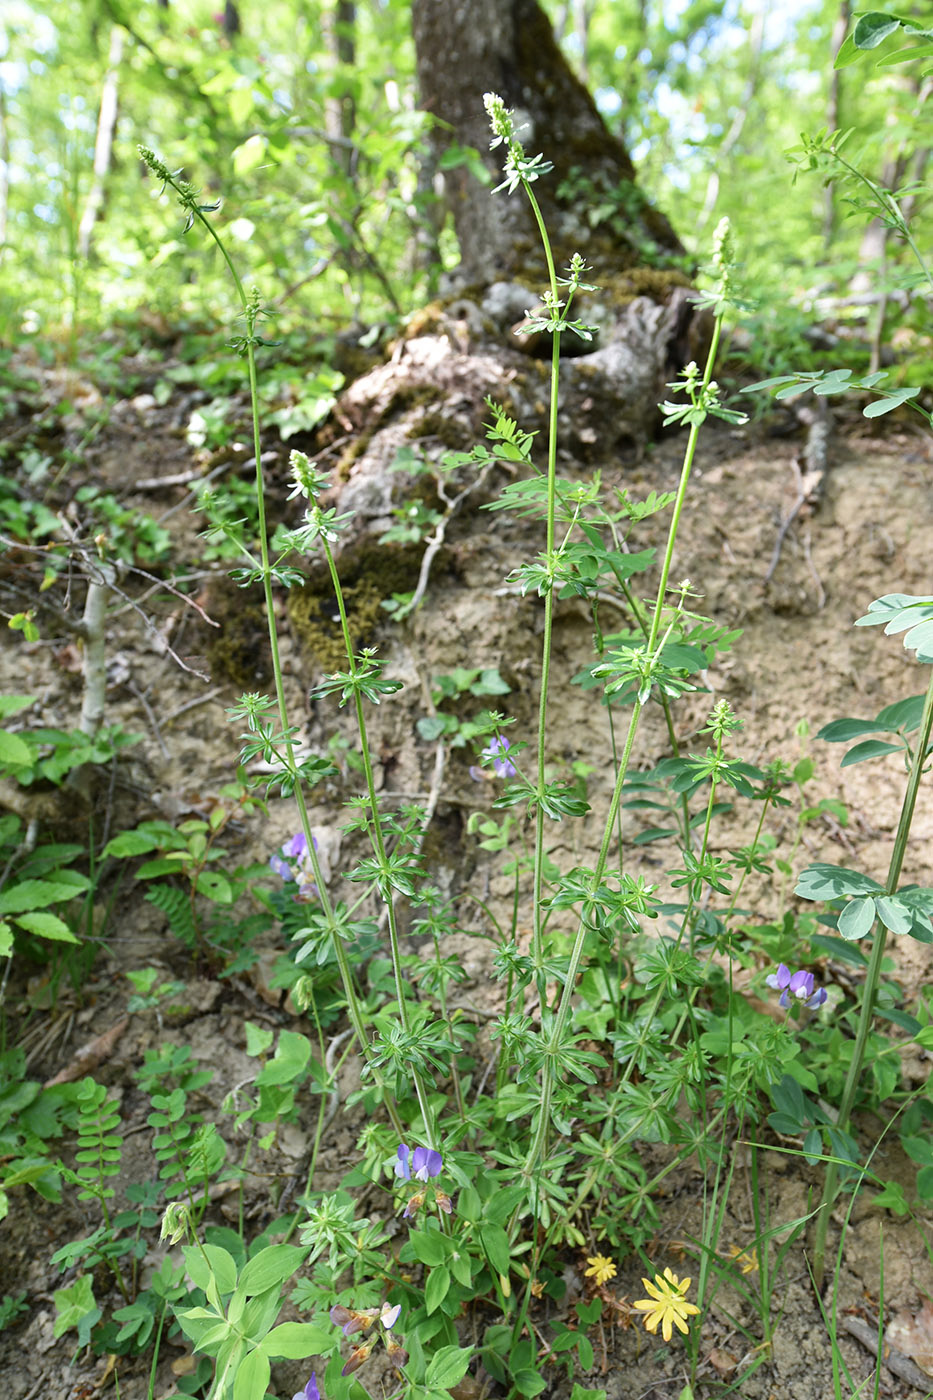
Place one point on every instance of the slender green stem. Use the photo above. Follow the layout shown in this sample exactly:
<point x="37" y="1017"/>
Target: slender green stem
<point x="538" y="877"/>
<point x="872" y="977"/>
<point x="378" y="840"/>
<point x="653" y="648"/>
<point x="251" y="313"/>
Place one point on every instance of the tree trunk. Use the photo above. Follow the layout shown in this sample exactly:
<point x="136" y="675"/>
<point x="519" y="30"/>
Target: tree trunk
<point x="103" y="146"/>
<point x="467" y="47"/>
<point x="338" y="25"/>
<point x="840" y="30"/>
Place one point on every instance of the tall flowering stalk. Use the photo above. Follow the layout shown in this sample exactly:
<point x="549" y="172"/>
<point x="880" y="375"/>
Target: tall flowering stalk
<point x="276" y="746"/>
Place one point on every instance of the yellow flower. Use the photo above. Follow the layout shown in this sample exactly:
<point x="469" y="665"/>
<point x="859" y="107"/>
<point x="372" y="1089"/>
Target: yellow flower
<point x="667" y="1304"/>
<point x="602" y="1269"/>
<point x="747" y="1259"/>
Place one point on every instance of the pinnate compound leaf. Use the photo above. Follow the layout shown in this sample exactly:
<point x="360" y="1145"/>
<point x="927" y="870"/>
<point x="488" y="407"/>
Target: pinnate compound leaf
<point x="857" y="919"/>
<point x="889" y="607"/>
<point x="823" y="881"/>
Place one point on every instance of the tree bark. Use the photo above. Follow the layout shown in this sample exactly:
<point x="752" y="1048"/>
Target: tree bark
<point x="467" y="47"/>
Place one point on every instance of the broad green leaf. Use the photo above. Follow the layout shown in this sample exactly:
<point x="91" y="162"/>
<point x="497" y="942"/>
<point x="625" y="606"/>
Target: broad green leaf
<point x="210" y="1261"/>
<point x="295" y="1340"/>
<point x="14" y="751"/>
<point x="903" y="714"/>
<point x="131" y="843"/>
<point x="857" y="919"/>
<point x="430" y="1246"/>
<point x="75" y="1307"/>
<point x="214" y="886"/>
<point x="911" y="618"/>
<point x="920" y="638"/>
<point x="496" y="1244"/>
<point x="871" y="748"/>
<point x="447" y="1367"/>
<point x="906" y="55"/>
<point x="528" y="1383"/>
<point x="6" y="939"/>
<point x="847" y="54"/>
<point x="290" y="1059"/>
<point x="893" y="914"/>
<point x="840" y="731"/>
<point x="822" y="881"/>
<point x="252" y="1376"/>
<point x="36" y="894"/>
<point x="436" y="1288"/>
<point x="45" y="925"/>
<point x="270" y="1268"/>
<point x="12" y="704"/>
<point x="872" y="29"/>
<point x="892" y="399"/>
<point x="918" y="1149"/>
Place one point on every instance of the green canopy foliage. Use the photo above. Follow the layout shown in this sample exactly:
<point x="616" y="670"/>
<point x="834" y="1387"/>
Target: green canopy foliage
<point x="304" y="122"/>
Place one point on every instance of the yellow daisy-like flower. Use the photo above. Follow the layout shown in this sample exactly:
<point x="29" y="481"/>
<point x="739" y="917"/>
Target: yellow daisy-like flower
<point x="601" y="1269"/>
<point x="667" y="1305"/>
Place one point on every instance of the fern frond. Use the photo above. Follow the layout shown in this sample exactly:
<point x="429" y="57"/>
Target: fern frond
<point x="176" y="906"/>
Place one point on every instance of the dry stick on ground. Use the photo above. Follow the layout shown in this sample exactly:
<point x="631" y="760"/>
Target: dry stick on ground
<point x="895" y="1361"/>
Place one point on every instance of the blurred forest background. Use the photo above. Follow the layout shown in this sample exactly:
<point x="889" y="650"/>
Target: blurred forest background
<point x="303" y="117"/>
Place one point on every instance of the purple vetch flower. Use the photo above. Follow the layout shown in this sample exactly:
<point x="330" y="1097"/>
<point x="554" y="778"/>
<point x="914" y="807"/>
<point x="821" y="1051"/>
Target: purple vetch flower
<point x="296" y="849"/>
<point x="423" y="1163"/>
<point x="310" y="1391"/>
<point x="497" y="750"/>
<point x="796" y="985"/>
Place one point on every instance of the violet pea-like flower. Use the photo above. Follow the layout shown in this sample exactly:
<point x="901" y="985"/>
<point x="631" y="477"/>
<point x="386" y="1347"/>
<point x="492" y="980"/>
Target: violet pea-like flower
<point x="310" y="1391"/>
<point x="796" y="985"/>
<point x="294" y="849"/>
<point x="421" y="1164"/>
<point x="498" y="750"/>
